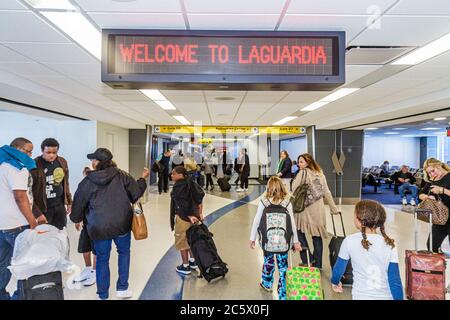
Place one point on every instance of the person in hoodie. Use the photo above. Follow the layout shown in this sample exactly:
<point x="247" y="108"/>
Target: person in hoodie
<point x="185" y="210"/>
<point x="103" y="199"/>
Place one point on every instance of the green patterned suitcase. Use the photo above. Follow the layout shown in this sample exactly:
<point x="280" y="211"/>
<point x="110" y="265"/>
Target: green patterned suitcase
<point x="303" y="283"/>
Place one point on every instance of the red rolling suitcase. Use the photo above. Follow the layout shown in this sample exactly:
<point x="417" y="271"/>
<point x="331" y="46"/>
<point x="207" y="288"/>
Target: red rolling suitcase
<point x="425" y="270"/>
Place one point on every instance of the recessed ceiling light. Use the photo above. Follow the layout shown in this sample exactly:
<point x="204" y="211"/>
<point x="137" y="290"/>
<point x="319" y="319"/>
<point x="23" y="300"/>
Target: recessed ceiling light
<point x="399" y="128"/>
<point x="439" y="118"/>
<point x="391" y="133"/>
<point x="371" y="129"/>
<point x="284" y="120"/>
<point x="314" y="106"/>
<point x="166" y="105"/>
<point x="182" y="120"/>
<point x="338" y="94"/>
<point x="153" y="94"/>
<point x="430" y="129"/>
<point x="51" y="4"/>
<point x="426" y="52"/>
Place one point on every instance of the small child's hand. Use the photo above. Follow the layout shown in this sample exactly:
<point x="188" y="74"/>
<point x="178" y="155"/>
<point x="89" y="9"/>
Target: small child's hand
<point x="252" y="244"/>
<point x="337" y="288"/>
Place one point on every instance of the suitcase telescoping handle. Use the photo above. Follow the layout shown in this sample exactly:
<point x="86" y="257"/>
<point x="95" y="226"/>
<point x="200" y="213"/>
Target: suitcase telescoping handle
<point x="307" y="256"/>
<point x="334" y="226"/>
<point x="416" y="229"/>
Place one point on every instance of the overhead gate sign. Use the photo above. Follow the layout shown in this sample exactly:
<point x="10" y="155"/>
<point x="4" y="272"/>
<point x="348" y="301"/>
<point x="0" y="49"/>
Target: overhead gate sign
<point x="252" y="60"/>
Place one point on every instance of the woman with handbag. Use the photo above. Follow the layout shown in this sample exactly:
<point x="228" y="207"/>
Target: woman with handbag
<point x="436" y="196"/>
<point x="311" y="218"/>
<point x="103" y="199"/>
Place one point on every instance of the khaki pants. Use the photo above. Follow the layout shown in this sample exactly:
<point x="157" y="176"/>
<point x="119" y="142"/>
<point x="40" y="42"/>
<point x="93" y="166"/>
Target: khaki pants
<point x="181" y="227"/>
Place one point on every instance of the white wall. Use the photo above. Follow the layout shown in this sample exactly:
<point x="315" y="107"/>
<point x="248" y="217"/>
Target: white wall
<point x="77" y="138"/>
<point x="116" y="140"/>
<point x="397" y="150"/>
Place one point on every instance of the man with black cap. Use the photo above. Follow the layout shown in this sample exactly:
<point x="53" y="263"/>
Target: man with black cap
<point x="103" y="199"/>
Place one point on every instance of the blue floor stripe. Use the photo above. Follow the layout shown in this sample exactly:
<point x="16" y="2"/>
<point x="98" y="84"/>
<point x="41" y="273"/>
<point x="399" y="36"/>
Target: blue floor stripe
<point x="165" y="283"/>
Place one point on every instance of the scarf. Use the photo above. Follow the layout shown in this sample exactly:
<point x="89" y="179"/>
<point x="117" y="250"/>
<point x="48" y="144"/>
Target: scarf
<point x="280" y="165"/>
<point x="16" y="158"/>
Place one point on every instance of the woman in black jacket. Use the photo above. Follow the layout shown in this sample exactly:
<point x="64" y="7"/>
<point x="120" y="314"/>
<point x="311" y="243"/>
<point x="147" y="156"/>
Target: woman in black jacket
<point x="103" y="199"/>
<point x="284" y="169"/>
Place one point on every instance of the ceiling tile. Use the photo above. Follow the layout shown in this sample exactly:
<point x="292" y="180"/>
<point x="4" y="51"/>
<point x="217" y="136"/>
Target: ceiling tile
<point x="20" y="26"/>
<point x="235" y="6"/>
<point x="421" y="7"/>
<point x="343" y="7"/>
<point x="278" y="112"/>
<point x="250" y="111"/>
<point x="52" y="52"/>
<point x="74" y="70"/>
<point x="139" y="20"/>
<point x="233" y="22"/>
<point x="8" y="55"/>
<point x="354" y="72"/>
<point x="130" y="6"/>
<point x="194" y="111"/>
<point x="404" y="31"/>
<point x="27" y="69"/>
<point x="11" y="5"/>
<point x="352" y="25"/>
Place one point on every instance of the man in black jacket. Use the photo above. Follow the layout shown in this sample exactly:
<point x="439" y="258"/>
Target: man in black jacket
<point x="185" y="210"/>
<point x="405" y="181"/>
<point x="103" y="199"/>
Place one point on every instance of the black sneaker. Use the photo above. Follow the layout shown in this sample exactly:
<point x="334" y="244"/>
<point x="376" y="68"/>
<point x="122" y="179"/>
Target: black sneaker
<point x="183" y="270"/>
<point x="193" y="265"/>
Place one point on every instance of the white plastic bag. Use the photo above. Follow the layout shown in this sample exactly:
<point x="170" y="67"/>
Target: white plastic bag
<point x="40" y="251"/>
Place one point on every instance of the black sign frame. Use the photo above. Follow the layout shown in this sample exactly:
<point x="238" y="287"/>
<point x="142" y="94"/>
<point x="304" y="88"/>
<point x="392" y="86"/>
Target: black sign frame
<point x="224" y="81"/>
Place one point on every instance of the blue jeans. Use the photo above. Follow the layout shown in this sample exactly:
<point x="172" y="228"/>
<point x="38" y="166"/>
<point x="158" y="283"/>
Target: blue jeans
<point x="316" y="257"/>
<point x="7" y="241"/>
<point x="408" y="186"/>
<point x="103" y="249"/>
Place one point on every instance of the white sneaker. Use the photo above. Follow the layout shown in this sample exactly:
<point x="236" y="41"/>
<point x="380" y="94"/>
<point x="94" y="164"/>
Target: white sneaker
<point x="246" y="189"/>
<point x="84" y="275"/>
<point x="124" y="294"/>
<point x="239" y="190"/>
<point x="91" y="280"/>
<point x="413" y="202"/>
<point x="404" y="201"/>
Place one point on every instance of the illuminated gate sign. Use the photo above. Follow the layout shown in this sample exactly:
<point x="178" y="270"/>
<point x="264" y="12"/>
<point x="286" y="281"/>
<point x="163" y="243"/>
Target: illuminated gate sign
<point x="252" y="60"/>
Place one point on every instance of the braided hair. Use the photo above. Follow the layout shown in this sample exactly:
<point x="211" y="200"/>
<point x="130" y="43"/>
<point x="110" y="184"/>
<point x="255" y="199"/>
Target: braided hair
<point x="372" y="215"/>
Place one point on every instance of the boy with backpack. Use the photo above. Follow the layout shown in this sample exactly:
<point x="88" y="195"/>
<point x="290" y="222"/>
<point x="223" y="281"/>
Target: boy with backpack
<point x="185" y="210"/>
<point x="274" y="223"/>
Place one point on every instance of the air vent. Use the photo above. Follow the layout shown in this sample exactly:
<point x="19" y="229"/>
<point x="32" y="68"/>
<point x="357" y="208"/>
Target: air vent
<point x="224" y="98"/>
<point x="367" y="55"/>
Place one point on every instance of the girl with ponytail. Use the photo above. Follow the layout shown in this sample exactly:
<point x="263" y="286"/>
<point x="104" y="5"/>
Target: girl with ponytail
<point x="374" y="257"/>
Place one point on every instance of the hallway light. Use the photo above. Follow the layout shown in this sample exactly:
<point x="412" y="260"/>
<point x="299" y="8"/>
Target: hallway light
<point x="182" y="120"/>
<point x="426" y="52"/>
<point x="439" y="118"/>
<point x="391" y="133"/>
<point x="76" y="26"/>
<point x="51" y="4"/>
<point x="314" y="106"/>
<point x="371" y="129"/>
<point x="338" y="94"/>
<point x="153" y="94"/>
<point x="428" y="129"/>
<point x="165" y="104"/>
<point x="284" y="120"/>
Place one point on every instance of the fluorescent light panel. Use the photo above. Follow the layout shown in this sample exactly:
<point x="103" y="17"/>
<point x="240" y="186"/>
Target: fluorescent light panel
<point x="428" y="129"/>
<point x="182" y="120"/>
<point x="51" y="4"/>
<point x="426" y="52"/>
<point x="165" y="104"/>
<point x="391" y="133"/>
<point x="284" y="120"/>
<point x="153" y="94"/>
<point x="76" y="26"/>
<point x="338" y="94"/>
<point x="439" y="118"/>
<point x="314" y="106"/>
<point x="371" y="129"/>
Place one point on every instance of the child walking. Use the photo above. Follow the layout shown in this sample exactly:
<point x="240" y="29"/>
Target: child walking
<point x="274" y="223"/>
<point x="374" y="257"/>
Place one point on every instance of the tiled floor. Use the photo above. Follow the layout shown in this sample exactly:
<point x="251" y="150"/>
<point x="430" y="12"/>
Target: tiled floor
<point x="231" y="236"/>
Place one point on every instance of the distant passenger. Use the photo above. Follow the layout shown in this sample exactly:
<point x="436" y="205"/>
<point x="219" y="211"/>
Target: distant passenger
<point x="385" y="169"/>
<point x="209" y="170"/>
<point x="51" y="191"/>
<point x="244" y="163"/>
<point x="185" y="210"/>
<point x="177" y="159"/>
<point x="405" y="181"/>
<point x="275" y="196"/>
<point x="163" y="174"/>
<point x="88" y="276"/>
<point x="16" y="200"/>
<point x="374" y="257"/>
<point x="284" y="169"/>
<point x="313" y="219"/>
<point x="294" y="168"/>
<point x="437" y="176"/>
<point x="190" y="164"/>
<point x="103" y="199"/>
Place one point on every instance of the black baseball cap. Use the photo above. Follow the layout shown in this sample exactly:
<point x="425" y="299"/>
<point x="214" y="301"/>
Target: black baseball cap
<point x="101" y="154"/>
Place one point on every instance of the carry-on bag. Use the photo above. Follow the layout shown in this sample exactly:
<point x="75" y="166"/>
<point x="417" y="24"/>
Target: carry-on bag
<point x="425" y="270"/>
<point x="334" y="247"/>
<point x="204" y="250"/>
<point x="42" y="287"/>
<point x="303" y="283"/>
<point x="224" y="185"/>
<point x="139" y="224"/>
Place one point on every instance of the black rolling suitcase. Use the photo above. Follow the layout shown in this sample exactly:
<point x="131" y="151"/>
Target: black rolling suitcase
<point x="205" y="252"/>
<point x="43" y="287"/>
<point x="334" y="247"/>
<point x="224" y="184"/>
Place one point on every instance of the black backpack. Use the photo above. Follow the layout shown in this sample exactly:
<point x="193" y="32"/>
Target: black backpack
<point x="275" y="227"/>
<point x="197" y="192"/>
<point x="205" y="252"/>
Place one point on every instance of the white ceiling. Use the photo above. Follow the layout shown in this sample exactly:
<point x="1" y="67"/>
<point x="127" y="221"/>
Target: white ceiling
<point x="39" y="65"/>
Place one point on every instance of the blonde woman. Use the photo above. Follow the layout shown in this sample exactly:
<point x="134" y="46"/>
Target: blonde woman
<point x="274" y="222"/>
<point x="312" y="220"/>
<point x="437" y="177"/>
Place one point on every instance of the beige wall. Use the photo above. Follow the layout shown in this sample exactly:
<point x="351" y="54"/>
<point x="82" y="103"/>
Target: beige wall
<point x="115" y="139"/>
